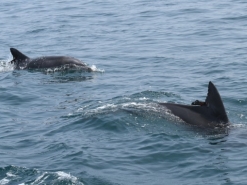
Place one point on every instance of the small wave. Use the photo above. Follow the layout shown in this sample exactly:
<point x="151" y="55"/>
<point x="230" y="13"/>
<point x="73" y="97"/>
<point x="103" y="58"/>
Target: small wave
<point x="141" y="108"/>
<point x="138" y="103"/>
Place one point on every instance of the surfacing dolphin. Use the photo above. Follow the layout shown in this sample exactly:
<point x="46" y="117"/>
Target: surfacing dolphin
<point x="21" y="61"/>
<point x="210" y="113"/>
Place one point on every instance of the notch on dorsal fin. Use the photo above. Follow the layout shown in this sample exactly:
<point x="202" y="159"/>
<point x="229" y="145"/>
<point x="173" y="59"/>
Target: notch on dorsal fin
<point x="215" y="103"/>
<point x="17" y="54"/>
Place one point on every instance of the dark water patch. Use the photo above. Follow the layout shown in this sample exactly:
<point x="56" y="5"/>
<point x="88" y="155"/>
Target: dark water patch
<point x="236" y="18"/>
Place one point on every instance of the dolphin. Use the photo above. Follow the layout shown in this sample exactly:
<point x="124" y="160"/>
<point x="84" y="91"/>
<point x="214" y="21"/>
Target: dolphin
<point x="22" y="61"/>
<point x="208" y="114"/>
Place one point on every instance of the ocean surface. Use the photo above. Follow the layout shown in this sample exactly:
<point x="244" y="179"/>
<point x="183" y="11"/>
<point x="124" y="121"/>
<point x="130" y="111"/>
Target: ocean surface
<point x="105" y="127"/>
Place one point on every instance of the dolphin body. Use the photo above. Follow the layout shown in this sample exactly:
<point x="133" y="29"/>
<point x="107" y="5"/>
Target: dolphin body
<point x="21" y="61"/>
<point x="208" y="114"/>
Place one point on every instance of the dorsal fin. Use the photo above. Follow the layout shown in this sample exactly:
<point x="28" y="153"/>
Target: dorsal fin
<point x="17" y="54"/>
<point x="215" y="103"/>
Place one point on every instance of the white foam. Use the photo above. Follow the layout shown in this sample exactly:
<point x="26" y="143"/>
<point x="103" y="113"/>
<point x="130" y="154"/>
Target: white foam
<point x="239" y="125"/>
<point x="5" y="65"/>
<point x="63" y="175"/>
<point x="107" y="106"/>
<point x="39" y="179"/>
<point x="144" y="98"/>
<point x="110" y="107"/>
<point x="104" y="108"/>
<point x="144" y="106"/>
<point x="94" y="68"/>
<point x="152" y="108"/>
<point x="4" y="181"/>
<point x="10" y="174"/>
<point x="60" y="176"/>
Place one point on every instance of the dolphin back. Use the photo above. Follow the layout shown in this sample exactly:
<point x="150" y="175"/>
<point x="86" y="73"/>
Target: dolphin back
<point x="209" y="114"/>
<point x="22" y="61"/>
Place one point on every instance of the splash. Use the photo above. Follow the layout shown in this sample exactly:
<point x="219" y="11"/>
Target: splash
<point x="65" y="176"/>
<point x="95" y="69"/>
<point x="5" y="65"/>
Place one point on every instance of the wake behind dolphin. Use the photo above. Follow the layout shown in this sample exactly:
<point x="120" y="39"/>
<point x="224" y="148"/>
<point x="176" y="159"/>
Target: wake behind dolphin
<point x="21" y="61"/>
<point x="210" y="113"/>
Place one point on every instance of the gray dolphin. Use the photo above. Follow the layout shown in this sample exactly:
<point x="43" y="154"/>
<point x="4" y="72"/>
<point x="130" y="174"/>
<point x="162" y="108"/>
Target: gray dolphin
<point x="210" y="113"/>
<point x="21" y="61"/>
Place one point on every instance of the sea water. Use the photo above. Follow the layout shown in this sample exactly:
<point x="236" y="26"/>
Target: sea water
<point x="105" y="127"/>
